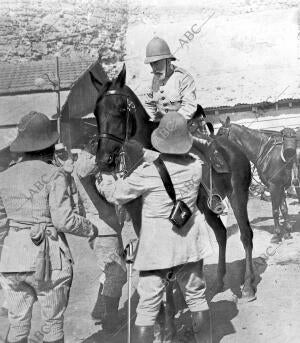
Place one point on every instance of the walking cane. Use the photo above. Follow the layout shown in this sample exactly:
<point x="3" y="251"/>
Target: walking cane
<point x="129" y="255"/>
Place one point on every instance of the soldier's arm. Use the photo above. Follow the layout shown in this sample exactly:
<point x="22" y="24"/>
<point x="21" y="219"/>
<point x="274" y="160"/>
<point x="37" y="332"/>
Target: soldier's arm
<point x="187" y="91"/>
<point x="63" y="217"/>
<point x="124" y="190"/>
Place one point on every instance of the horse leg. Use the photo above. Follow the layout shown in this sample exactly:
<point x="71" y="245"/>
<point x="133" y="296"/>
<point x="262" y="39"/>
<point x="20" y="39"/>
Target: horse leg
<point x="284" y="212"/>
<point x="238" y="201"/>
<point x="165" y="331"/>
<point x="221" y="236"/>
<point x="276" y="196"/>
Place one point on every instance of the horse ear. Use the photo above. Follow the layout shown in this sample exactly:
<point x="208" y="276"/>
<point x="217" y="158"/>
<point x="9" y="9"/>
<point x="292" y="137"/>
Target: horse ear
<point x="97" y="84"/>
<point x="210" y="128"/>
<point x="222" y="122"/>
<point x="227" y="122"/>
<point x="121" y="79"/>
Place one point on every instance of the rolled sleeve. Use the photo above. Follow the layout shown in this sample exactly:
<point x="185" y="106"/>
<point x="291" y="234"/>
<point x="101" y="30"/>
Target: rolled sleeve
<point x="63" y="217"/>
<point x="188" y="97"/>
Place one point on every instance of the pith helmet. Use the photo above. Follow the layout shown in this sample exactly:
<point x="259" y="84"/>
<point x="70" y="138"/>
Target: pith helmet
<point x="172" y="135"/>
<point x="35" y="132"/>
<point x="158" y="49"/>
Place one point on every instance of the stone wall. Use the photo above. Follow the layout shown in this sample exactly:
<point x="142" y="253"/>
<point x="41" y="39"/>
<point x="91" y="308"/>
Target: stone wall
<point x="33" y="30"/>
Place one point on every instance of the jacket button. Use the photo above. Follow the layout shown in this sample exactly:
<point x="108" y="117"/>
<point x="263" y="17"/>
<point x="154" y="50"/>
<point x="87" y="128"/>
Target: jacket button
<point x="166" y="110"/>
<point x="162" y="98"/>
<point x="161" y="90"/>
<point x="165" y="104"/>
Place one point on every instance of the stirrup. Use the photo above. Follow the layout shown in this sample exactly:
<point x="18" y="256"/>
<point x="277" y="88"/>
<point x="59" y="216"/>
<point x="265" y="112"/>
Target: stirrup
<point x="215" y="204"/>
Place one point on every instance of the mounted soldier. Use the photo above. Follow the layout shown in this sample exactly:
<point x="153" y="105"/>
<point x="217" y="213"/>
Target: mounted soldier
<point x="173" y="88"/>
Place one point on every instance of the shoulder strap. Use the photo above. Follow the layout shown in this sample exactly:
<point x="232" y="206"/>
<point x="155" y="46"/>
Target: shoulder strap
<point x="166" y="179"/>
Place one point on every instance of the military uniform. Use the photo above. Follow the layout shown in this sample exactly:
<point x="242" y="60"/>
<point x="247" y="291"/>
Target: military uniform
<point x="108" y="246"/>
<point x="35" y="214"/>
<point x="177" y="94"/>
<point x="162" y="247"/>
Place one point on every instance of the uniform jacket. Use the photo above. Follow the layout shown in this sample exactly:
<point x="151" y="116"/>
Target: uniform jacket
<point x="178" y="94"/>
<point x="33" y="195"/>
<point x="161" y="245"/>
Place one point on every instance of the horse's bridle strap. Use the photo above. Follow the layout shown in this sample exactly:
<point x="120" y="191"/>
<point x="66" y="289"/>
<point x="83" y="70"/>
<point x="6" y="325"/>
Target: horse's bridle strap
<point x="112" y="137"/>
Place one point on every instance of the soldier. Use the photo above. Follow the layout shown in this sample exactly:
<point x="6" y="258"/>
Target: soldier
<point x="108" y="246"/>
<point x="35" y="214"/>
<point x="165" y="252"/>
<point x="173" y="88"/>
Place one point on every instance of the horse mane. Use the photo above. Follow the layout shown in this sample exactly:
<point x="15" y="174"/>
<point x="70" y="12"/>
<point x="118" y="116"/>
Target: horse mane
<point x="254" y="132"/>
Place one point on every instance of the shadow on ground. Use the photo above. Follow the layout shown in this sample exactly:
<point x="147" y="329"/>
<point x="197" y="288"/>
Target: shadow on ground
<point x="294" y="220"/>
<point x="223" y="305"/>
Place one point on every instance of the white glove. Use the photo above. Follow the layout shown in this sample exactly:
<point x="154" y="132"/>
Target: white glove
<point x="68" y="166"/>
<point x="106" y="187"/>
<point x="85" y="164"/>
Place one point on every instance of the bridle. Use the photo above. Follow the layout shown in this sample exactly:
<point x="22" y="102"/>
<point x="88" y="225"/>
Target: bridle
<point x="129" y="131"/>
<point x="130" y="106"/>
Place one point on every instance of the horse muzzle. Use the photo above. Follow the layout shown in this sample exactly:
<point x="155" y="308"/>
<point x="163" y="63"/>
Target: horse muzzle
<point x="107" y="163"/>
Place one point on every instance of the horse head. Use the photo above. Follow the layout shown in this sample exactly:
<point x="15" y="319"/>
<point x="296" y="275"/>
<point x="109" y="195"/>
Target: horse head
<point x="114" y="112"/>
<point x="224" y="130"/>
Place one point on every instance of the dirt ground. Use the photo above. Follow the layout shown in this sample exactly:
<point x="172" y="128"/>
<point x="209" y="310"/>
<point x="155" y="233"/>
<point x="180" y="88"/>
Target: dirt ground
<point x="273" y="317"/>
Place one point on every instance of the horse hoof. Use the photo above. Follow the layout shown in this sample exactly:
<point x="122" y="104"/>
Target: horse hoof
<point x="247" y="296"/>
<point x="276" y="239"/>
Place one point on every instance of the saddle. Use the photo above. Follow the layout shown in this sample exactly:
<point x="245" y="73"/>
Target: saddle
<point x="210" y="152"/>
<point x="216" y="159"/>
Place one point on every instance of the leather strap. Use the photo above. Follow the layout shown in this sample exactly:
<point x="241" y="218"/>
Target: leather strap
<point x="166" y="179"/>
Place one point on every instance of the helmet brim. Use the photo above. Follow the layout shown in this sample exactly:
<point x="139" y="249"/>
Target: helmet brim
<point x="158" y="58"/>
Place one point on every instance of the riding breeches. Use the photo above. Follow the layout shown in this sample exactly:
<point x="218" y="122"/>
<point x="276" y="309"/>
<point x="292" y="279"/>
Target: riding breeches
<point x="152" y="284"/>
<point x="109" y="250"/>
<point x="22" y="290"/>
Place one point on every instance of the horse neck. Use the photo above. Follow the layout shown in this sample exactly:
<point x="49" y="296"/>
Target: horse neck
<point x="251" y="141"/>
<point x="144" y="126"/>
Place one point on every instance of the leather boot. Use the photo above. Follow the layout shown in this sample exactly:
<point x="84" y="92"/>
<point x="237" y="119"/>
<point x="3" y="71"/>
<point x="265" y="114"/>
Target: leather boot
<point x="143" y="334"/>
<point x="202" y="326"/>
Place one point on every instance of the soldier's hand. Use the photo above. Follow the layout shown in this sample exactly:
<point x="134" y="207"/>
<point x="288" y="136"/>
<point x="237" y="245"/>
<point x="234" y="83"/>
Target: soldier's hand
<point x="85" y="164"/>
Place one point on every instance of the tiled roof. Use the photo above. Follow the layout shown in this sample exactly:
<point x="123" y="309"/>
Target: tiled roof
<point x="20" y="78"/>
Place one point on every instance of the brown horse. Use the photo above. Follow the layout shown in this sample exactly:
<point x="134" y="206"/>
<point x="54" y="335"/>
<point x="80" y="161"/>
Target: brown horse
<point x="273" y="170"/>
<point x="120" y="116"/>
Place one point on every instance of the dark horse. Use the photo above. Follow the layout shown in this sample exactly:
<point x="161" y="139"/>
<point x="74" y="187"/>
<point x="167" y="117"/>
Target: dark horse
<point x="120" y="116"/>
<point x="273" y="171"/>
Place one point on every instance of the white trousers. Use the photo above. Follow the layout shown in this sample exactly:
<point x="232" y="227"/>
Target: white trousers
<point x="22" y="290"/>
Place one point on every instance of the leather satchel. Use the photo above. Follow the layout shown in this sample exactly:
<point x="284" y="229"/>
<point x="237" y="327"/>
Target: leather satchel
<point x="180" y="213"/>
